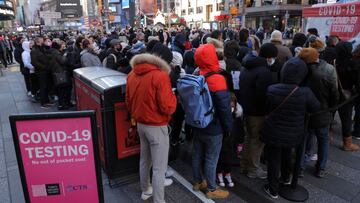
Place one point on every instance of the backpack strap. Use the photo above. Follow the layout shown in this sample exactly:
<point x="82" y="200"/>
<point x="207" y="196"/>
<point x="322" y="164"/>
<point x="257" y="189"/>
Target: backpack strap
<point x="284" y="101"/>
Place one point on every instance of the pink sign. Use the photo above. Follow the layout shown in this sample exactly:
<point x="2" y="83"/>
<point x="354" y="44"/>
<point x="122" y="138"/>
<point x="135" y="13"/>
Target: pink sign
<point x="58" y="160"/>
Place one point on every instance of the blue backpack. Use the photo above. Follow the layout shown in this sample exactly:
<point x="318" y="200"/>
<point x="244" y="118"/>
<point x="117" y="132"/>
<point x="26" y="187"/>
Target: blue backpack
<point x="196" y="100"/>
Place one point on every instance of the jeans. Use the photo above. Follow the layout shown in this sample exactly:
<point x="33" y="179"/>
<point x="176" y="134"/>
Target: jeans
<point x="279" y="158"/>
<point x="154" y="150"/>
<point x="322" y="135"/>
<point x="345" y="113"/>
<point x="356" y="131"/>
<point x="206" y="151"/>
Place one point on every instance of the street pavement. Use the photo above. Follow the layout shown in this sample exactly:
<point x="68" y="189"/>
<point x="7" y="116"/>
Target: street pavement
<point x="341" y="185"/>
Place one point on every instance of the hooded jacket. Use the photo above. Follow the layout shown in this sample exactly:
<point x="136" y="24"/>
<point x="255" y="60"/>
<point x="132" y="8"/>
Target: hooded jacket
<point x="149" y="97"/>
<point x="345" y="67"/>
<point x="285" y="126"/>
<point x="255" y="78"/>
<point x="206" y="59"/>
<point x="89" y="58"/>
<point x="26" y="58"/>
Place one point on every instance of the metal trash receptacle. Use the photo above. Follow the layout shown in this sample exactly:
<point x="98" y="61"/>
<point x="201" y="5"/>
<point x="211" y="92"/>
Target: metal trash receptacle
<point x="103" y="90"/>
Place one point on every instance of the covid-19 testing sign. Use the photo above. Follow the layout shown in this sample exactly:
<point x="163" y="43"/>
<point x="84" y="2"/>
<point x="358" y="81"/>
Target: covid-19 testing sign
<point x="58" y="157"/>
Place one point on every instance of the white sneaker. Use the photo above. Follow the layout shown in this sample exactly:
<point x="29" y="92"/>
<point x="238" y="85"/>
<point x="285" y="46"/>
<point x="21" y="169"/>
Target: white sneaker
<point x="147" y="194"/>
<point x="314" y="157"/>
<point x="229" y="180"/>
<point x="221" y="179"/>
<point x="168" y="182"/>
<point x="29" y="93"/>
<point x="169" y="173"/>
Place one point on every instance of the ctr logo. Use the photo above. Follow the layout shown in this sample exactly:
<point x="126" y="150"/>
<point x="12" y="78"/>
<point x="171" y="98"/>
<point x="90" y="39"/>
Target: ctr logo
<point x="75" y="188"/>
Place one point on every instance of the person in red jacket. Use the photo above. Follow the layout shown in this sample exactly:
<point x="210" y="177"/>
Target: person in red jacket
<point x="151" y="102"/>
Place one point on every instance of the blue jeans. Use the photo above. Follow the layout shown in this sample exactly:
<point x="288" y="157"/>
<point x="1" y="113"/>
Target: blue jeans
<point x="322" y="136"/>
<point x="206" y="151"/>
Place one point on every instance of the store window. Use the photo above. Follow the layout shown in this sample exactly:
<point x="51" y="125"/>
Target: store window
<point x="191" y="11"/>
<point x="293" y="1"/>
<point x="183" y="12"/>
<point x="220" y="7"/>
<point x="199" y="9"/>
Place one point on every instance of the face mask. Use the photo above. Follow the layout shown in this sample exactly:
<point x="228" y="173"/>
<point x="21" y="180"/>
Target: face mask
<point x="48" y="44"/>
<point x="232" y="109"/>
<point x="249" y="44"/>
<point x="270" y="61"/>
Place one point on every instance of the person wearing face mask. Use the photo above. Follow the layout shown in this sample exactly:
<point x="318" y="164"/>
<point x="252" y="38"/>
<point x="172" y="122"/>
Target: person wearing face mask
<point x="88" y="56"/>
<point x="323" y="83"/>
<point x="270" y="52"/>
<point x="284" y="52"/>
<point x="40" y="61"/>
<point x="114" y="55"/>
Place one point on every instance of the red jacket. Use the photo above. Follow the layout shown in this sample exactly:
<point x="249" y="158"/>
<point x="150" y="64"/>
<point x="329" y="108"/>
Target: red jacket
<point x="149" y="97"/>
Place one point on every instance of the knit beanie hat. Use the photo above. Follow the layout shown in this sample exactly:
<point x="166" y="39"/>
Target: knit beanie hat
<point x="309" y="55"/>
<point x="276" y="36"/>
<point x="316" y="43"/>
<point x="268" y="50"/>
<point x="163" y="52"/>
<point x="177" y="59"/>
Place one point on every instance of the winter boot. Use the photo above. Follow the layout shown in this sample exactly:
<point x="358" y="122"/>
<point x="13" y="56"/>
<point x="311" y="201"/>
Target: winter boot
<point x="348" y="145"/>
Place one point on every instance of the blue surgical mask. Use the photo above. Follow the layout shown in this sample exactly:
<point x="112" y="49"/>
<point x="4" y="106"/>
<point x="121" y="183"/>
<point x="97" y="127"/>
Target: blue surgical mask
<point x="249" y="44"/>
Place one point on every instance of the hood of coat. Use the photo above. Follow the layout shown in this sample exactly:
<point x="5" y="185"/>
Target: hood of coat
<point x="343" y="50"/>
<point x="144" y="63"/>
<point x="206" y="59"/>
<point x="26" y="46"/>
<point x="251" y="61"/>
<point x="294" y="71"/>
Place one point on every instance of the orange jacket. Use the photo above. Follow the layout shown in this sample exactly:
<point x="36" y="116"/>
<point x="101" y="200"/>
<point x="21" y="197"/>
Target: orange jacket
<point x="149" y="97"/>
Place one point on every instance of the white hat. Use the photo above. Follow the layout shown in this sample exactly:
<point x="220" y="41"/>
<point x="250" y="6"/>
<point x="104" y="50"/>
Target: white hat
<point x="276" y="36"/>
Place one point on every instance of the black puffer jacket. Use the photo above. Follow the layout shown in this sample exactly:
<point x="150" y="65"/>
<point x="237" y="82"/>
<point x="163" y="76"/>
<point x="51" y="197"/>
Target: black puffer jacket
<point x="243" y="51"/>
<point x="345" y="66"/>
<point x="285" y="127"/>
<point x="39" y="59"/>
<point x="255" y="78"/>
<point x="323" y="83"/>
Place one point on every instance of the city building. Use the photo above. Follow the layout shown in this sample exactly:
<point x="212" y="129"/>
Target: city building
<point x="208" y="14"/>
<point x="270" y="14"/>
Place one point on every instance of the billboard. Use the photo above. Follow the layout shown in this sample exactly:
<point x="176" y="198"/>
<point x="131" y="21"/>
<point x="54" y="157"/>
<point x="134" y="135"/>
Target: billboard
<point x="69" y="8"/>
<point x="6" y="10"/>
<point x="125" y="4"/>
<point x="58" y="157"/>
<point x="148" y="6"/>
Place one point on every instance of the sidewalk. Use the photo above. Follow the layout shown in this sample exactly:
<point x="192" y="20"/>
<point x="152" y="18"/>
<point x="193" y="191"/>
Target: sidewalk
<point x="340" y="186"/>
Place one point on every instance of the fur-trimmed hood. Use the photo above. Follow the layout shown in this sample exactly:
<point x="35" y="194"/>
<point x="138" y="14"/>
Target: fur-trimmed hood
<point x="144" y="63"/>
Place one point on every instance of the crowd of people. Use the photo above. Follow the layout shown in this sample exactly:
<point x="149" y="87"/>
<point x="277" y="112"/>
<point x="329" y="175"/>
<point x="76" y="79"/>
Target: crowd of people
<point x="267" y="98"/>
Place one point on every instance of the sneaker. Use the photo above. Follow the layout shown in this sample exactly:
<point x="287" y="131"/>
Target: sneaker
<point x="200" y="186"/>
<point x="321" y="173"/>
<point x="260" y="173"/>
<point x="271" y="194"/>
<point x="314" y="157"/>
<point x="29" y="93"/>
<point x="356" y="136"/>
<point x="285" y="181"/>
<point x="169" y="173"/>
<point x="229" y="180"/>
<point x="147" y="194"/>
<point x="45" y="106"/>
<point x="217" y="194"/>
<point x="168" y="182"/>
<point x="221" y="179"/>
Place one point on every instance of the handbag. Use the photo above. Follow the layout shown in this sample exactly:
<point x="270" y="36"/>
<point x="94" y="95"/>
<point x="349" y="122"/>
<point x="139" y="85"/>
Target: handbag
<point x="61" y="78"/>
<point x="283" y="102"/>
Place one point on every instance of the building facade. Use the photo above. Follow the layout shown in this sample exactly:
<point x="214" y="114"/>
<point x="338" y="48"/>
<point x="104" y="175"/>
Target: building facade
<point x="269" y="14"/>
